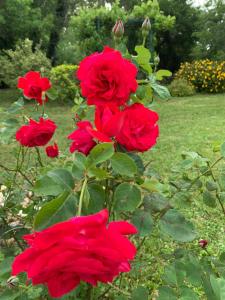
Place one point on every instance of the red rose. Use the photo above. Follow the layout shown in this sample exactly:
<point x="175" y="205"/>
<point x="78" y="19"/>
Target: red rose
<point x="36" y="133"/>
<point x="136" y="128"/>
<point x="80" y="249"/>
<point x="107" y="78"/>
<point x="34" y="86"/>
<point x="82" y="138"/>
<point x="52" y="150"/>
<point x="203" y="243"/>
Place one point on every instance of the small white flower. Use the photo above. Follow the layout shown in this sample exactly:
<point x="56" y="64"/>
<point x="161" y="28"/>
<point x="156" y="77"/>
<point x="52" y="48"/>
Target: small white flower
<point x="21" y="214"/>
<point x="3" y="188"/>
<point x="2" y="200"/>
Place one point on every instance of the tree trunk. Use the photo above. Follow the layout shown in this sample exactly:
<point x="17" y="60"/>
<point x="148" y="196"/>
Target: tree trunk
<point x="61" y="13"/>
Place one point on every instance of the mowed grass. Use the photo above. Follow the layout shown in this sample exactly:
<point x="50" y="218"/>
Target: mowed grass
<point x="188" y="124"/>
<point x="193" y="123"/>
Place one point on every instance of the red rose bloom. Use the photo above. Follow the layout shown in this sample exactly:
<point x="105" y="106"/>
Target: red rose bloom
<point x="107" y="78"/>
<point x="52" y="150"/>
<point x="80" y="249"/>
<point x="82" y="138"/>
<point x="34" y="86"/>
<point x="136" y="128"/>
<point x="36" y="133"/>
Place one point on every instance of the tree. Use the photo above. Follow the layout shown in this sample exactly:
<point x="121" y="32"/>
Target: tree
<point x="175" y="46"/>
<point x="211" y="36"/>
<point x="20" y="19"/>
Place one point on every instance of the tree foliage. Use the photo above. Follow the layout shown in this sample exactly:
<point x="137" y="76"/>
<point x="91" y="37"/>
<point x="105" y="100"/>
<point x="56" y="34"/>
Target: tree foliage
<point x="174" y="46"/>
<point x="211" y="37"/>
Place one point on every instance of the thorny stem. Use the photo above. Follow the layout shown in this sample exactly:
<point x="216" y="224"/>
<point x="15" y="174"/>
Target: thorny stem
<point x="81" y="197"/>
<point x="209" y="169"/>
<point x="19" y="171"/>
<point x="39" y="157"/>
<point x="13" y="234"/>
<point x="141" y="243"/>
<point x="118" y="289"/>
<point x="217" y="196"/>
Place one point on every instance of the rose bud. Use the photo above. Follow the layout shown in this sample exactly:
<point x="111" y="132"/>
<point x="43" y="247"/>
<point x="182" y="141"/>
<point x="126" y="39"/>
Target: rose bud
<point x="146" y="26"/>
<point x="52" y="151"/>
<point x="12" y="282"/>
<point x="203" y="243"/>
<point x="156" y="60"/>
<point x="118" y="29"/>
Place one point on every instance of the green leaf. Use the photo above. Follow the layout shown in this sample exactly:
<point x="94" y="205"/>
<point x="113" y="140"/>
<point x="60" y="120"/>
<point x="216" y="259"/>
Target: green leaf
<point x="98" y="173"/>
<point x="123" y="164"/>
<point x="62" y="177"/>
<point x="138" y="161"/>
<point x="16" y="106"/>
<point x="143" y="58"/>
<point x="140" y="293"/>
<point x="221" y="181"/>
<point x="211" y="186"/>
<point x="193" y="271"/>
<point x="97" y="198"/>
<point x="5" y="266"/>
<point x="8" y="130"/>
<point x="9" y="295"/>
<point x="143" y="221"/>
<point x="161" y="91"/>
<point x="222" y="150"/>
<point x="163" y="73"/>
<point x="155" y="202"/>
<point x="218" y="286"/>
<point x="100" y="153"/>
<point x="188" y="294"/>
<point x="52" y="94"/>
<point x="79" y="165"/>
<point x="166" y="293"/>
<point x="47" y="186"/>
<point x="209" y="199"/>
<point x="127" y="197"/>
<point x="174" y="224"/>
<point x="57" y="210"/>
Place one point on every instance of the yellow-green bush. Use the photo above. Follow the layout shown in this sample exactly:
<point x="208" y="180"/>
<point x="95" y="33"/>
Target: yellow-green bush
<point x="180" y="87"/>
<point x="63" y="78"/>
<point x="205" y="75"/>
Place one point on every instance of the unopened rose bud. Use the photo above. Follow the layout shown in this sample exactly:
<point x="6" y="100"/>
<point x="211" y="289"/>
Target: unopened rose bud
<point x="118" y="29"/>
<point x="146" y="26"/>
<point x="12" y="281"/>
<point x="203" y="243"/>
<point x="156" y="60"/>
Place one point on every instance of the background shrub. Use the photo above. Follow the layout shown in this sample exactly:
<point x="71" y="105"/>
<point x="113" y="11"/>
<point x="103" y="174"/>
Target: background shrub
<point x="64" y="81"/>
<point x="180" y="87"/>
<point x="205" y="75"/>
<point x="18" y="62"/>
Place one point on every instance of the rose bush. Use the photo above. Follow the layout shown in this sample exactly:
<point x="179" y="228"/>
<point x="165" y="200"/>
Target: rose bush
<point x="77" y="211"/>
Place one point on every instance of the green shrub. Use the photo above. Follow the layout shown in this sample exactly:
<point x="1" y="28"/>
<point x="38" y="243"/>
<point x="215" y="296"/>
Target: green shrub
<point x="180" y="87"/>
<point x="64" y="81"/>
<point x="206" y="75"/>
<point x="18" y="62"/>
